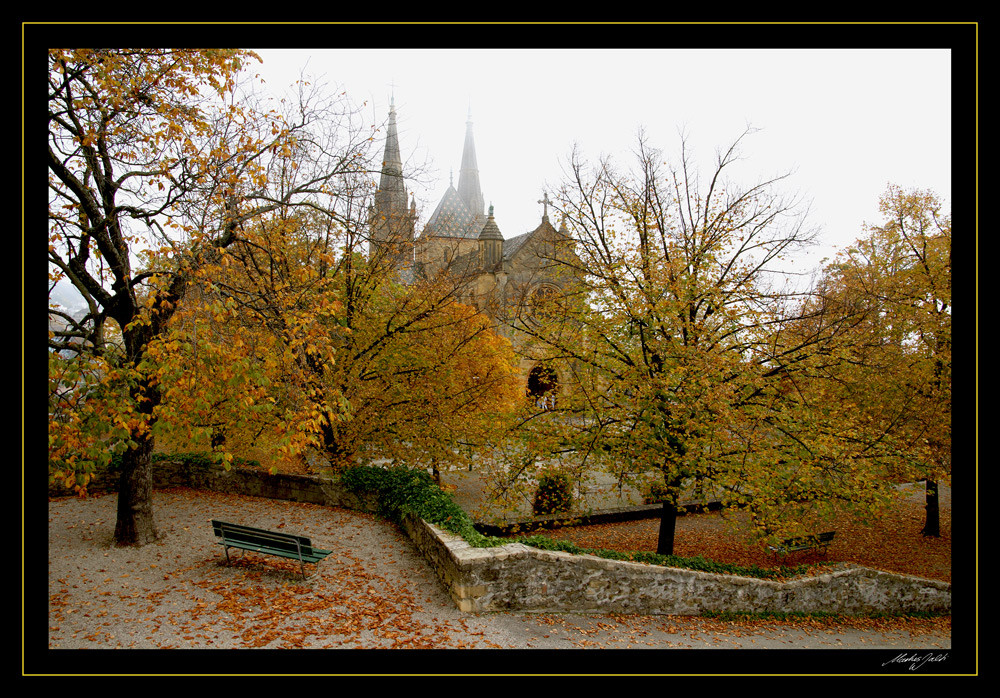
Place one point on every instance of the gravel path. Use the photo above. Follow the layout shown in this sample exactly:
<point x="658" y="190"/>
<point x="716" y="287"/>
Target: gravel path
<point x="373" y="592"/>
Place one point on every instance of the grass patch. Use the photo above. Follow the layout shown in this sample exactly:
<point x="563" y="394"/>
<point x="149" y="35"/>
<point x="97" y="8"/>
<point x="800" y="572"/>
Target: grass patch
<point x="827" y="616"/>
<point x="698" y="562"/>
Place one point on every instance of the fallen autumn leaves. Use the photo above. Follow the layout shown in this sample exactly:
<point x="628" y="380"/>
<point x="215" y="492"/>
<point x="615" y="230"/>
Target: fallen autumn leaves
<point x="373" y="592"/>
<point x="179" y="592"/>
<point x="893" y="542"/>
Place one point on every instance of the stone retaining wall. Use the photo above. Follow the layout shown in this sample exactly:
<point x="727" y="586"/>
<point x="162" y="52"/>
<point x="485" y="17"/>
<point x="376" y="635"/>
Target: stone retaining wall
<point x="516" y="577"/>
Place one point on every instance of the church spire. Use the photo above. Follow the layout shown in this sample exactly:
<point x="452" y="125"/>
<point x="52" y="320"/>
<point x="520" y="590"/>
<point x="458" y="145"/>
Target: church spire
<point x="468" y="177"/>
<point x="392" y="164"/>
<point x="393" y="214"/>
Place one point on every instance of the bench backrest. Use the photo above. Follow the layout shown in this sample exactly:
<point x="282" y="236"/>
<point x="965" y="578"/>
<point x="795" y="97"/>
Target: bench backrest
<point x="811" y="539"/>
<point x="260" y="536"/>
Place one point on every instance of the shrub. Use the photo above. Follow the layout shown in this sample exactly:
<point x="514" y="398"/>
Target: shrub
<point x="407" y="490"/>
<point x="554" y="494"/>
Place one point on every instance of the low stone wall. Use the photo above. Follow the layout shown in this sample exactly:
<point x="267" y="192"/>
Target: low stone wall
<point x="516" y="577"/>
<point x="254" y="482"/>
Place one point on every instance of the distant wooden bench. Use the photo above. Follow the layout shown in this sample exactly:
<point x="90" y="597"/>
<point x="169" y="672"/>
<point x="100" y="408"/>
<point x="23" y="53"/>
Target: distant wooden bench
<point x="268" y="542"/>
<point x="810" y="542"/>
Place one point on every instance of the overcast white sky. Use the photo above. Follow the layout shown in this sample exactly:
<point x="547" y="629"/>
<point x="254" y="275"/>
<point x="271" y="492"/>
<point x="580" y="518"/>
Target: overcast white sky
<point x="842" y="119"/>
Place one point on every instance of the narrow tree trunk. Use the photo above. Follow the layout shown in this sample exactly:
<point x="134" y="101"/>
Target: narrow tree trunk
<point x="668" y="525"/>
<point x="932" y="522"/>
<point x="135" y="495"/>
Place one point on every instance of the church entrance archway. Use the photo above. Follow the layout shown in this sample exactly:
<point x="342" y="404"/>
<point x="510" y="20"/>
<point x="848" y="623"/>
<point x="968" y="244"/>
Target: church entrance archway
<point x="543" y="384"/>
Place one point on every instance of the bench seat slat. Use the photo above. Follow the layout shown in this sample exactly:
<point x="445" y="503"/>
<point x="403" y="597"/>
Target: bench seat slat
<point x="791" y="545"/>
<point x="315" y="556"/>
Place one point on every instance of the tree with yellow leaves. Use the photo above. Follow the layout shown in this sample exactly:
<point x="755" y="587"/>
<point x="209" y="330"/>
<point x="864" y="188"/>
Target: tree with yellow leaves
<point x="896" y="282"/>
<point x="684" y="357"/>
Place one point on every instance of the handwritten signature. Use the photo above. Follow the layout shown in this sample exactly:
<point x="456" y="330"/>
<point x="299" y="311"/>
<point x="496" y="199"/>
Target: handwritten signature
<point x="916" y="661"/>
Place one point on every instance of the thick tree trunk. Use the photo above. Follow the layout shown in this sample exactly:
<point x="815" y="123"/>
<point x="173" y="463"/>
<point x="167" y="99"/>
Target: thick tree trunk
<point x="135" y="496"/>
<point x="668" y="525"/>
<point x="333" y="446"/>
<point x="135" y="486"/>
<point x="932" y="522"/>
<point x="218" y="436"/>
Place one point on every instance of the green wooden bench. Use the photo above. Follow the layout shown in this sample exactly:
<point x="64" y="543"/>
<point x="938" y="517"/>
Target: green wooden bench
<point x="268" y="542"/>
<point x="811" y="542"/>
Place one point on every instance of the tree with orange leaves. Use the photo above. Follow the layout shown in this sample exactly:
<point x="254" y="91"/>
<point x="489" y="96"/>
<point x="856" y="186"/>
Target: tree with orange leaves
<point x="156" y="162"/>
<point x="364" y="364"/>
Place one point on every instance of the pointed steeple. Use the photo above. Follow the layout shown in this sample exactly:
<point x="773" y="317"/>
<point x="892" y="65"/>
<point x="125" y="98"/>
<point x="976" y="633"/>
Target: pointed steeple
<point x="393" y="214"/>
<point x="468" y="177"/>
<point x="391" y="182"/>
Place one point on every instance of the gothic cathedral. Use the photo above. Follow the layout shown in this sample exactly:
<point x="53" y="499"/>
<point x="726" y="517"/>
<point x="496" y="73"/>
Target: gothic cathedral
<point x="506" y="278"/>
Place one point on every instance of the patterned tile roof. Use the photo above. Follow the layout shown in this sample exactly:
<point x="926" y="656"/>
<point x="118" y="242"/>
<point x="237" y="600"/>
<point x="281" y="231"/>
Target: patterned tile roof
<point x="453" y="219"/>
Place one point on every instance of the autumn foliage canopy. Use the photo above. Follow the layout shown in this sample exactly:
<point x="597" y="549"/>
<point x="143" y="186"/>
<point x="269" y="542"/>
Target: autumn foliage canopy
<point x="236" y="303"/>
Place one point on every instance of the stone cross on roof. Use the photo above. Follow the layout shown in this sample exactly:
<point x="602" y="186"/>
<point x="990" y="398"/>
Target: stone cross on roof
<point x="545" y="205"/>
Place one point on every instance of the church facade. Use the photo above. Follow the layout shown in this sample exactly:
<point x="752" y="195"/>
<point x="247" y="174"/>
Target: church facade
<point x="509" y="279"/>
